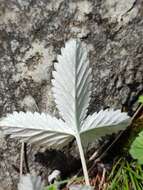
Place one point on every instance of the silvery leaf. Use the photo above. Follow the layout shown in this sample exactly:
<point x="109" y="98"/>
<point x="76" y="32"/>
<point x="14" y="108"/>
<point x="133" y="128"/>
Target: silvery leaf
<point x="105" y="122"/>
<point x="39" y="129"/>
<point x="71" y="89"/>
<point x="72" y="83"/>
<point x="28" y="182"/>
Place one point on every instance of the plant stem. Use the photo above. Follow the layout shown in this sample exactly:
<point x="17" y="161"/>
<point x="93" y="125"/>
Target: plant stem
<point x="83" y="161"/>
<point x="26" y="159"/>
<point x="21" y="159"/>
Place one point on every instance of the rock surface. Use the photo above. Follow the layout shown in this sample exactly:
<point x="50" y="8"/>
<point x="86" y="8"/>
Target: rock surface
<point x="31" y="35"/>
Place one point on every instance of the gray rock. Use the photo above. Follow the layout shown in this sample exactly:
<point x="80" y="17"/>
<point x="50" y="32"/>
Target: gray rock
<point x="32" y="33"/>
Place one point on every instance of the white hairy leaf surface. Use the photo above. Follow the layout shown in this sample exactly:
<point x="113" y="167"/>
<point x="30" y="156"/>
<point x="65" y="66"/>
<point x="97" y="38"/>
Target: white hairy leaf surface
<point x="103" y="123"/>
<point x="40" y="129"/>
<point x="72" y="89"/>
<point x="72" y="83"/>
<point x="28" y="182"/>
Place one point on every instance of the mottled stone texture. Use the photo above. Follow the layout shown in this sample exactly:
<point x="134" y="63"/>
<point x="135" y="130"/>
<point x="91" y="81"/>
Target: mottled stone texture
<point x="31" y="35"/>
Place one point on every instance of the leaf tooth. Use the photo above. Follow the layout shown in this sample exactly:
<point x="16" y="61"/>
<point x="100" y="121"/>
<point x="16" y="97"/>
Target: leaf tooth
<point x="66" y="72"/>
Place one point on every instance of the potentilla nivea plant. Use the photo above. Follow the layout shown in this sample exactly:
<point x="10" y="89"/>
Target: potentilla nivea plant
<point x="71" y="90"/>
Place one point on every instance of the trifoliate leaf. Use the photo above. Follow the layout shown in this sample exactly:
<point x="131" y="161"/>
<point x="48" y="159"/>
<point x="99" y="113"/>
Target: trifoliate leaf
<point x="71" y="89"/>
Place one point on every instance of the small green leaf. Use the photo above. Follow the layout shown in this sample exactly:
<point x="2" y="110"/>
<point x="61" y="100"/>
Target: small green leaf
<point x="51" y="187"/>
<point x="140" y="100"/>
<point x="136" y="149"/>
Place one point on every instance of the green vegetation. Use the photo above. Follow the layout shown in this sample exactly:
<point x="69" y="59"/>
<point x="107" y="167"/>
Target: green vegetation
<point x="51" y="187"/>
<point x="136" y="150"/>
<point x="140" y="99"/>
<point x="126" y="175"/>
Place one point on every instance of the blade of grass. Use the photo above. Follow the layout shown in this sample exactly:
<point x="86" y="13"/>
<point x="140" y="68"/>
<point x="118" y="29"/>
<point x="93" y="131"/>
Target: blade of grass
<point x="131" y="178"/>
<point x="116" y="179"/>
<point x="114" y="168"/>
